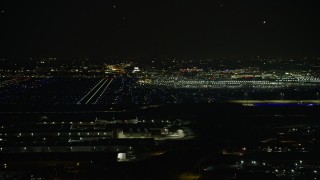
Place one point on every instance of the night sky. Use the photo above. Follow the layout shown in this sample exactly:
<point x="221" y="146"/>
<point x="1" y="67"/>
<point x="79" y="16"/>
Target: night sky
<point x="136" y="28"/>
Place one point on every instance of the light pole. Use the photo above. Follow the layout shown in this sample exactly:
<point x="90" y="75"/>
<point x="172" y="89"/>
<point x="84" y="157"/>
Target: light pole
<point x="281" y="96"/>
<point x="246" y="97"/>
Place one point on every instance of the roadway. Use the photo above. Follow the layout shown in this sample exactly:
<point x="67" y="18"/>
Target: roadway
<point x="93" y="96"/>
<point x="278" y="101"/>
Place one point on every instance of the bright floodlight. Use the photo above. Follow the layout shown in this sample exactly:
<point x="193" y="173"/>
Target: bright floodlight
<point x="121" y="156"/>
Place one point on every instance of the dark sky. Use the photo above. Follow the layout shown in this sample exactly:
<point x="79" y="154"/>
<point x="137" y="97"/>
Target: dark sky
<point x="159" y="28"/>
